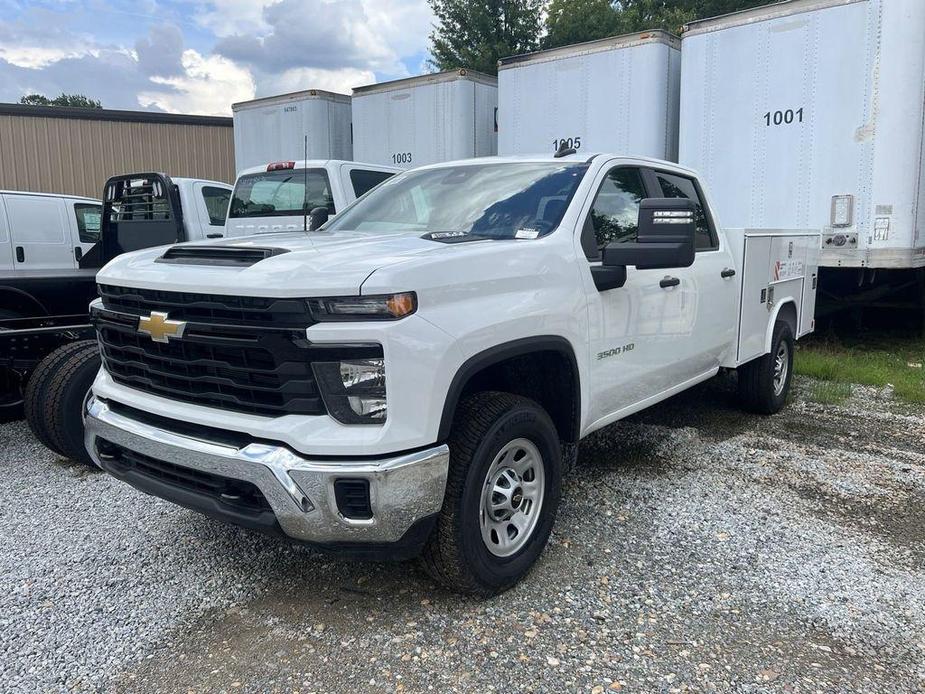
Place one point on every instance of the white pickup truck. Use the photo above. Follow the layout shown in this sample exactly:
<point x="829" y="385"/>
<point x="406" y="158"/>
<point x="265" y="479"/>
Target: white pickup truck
<point x="298" y="195"/>
<point x="412" y="378"/>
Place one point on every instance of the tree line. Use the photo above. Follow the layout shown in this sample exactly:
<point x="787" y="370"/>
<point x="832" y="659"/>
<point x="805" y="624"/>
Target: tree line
<point x="474" y="34"/>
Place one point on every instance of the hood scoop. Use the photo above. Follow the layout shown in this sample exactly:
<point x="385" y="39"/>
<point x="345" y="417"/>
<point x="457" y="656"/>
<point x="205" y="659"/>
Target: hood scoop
<point x="227" y="256"/>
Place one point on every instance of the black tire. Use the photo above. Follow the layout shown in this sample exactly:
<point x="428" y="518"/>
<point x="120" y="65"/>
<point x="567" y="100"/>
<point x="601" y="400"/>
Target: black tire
<point x="455" y="554"/>
<point x="757" y="389"/>
<point x="55" y="397"/>
<point x="12" y="384"/>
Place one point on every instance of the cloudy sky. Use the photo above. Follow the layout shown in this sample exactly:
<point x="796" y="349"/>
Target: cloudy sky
<point x="200" y="56"/>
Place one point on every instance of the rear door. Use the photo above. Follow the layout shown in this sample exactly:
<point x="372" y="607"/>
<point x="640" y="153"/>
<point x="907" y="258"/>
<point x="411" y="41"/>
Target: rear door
<point x="705" y="299"/>
<point x="40" y="233"/>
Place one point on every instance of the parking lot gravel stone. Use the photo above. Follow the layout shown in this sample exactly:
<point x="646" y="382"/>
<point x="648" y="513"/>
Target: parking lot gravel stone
<point x="697" y="548"/>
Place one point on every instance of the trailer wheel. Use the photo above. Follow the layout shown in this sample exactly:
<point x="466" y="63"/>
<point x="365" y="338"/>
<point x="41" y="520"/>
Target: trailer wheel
<point x="765" y="383"/>
<point x="12" y="384"/>
<point x="55" y="398"/>
<point x="502" y="494"/>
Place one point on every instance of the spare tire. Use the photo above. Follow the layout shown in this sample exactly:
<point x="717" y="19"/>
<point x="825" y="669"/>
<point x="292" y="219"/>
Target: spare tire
<point x="56" y="395"/>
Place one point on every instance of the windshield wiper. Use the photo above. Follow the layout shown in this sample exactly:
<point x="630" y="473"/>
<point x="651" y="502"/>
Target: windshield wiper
<point x="456" y="236"/>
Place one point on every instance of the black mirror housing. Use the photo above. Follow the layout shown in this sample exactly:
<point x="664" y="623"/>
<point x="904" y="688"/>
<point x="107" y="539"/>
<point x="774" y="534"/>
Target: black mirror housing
<point x="317" y="217"/>
<point x="665" y="237"/>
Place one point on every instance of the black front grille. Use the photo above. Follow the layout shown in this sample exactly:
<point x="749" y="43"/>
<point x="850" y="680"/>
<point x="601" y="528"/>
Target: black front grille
<point x="251" y="370"/>
<point x="209" y="308"/>
<point x="237" y="494"/>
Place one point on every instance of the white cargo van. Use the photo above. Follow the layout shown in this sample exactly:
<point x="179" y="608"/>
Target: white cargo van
<point x="618" y="94"/>
<point x="42" y="234"/>
<point x="290" y="195"/>
<point x="426" y="119"/>
<point x="275" y="128"/>
<point x="809" y="113"/>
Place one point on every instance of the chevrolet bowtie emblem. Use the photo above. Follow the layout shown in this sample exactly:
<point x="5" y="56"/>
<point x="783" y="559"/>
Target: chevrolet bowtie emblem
<point x="159" y="327"/>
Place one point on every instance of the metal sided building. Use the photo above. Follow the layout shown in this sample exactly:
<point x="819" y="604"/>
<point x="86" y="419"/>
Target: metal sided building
<point x="809" y="114"/>
<point x="275" y="128"/>
<point x="425" y="120"/>
<point x="73" y="151"/>
<point x="618" y="94"/>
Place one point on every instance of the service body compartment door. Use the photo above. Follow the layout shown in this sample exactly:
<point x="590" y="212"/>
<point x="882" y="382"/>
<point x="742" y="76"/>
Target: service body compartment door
<point x="753" y="311"/>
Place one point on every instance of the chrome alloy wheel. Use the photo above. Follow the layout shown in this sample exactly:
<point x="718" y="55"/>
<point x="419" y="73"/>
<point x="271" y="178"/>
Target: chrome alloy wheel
<point x="512" y="498"/>
<point x="781" y="368"/>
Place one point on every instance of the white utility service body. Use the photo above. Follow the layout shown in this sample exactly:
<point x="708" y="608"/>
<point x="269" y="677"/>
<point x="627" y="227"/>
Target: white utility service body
<point x="275" y="128"/>
<point x="331" y="183"/>
<point x="407" y="324"/>
<point x="809" y="114"/>
<point x="427" y="119"/>
<point x="616" y="94"/>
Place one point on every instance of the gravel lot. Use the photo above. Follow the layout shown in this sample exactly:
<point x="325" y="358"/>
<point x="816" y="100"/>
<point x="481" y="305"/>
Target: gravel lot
<point x="697" y="549"/>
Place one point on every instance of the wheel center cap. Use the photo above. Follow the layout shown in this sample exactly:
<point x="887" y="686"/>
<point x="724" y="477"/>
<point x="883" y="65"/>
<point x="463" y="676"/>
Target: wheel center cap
<point x="517" y="497"/>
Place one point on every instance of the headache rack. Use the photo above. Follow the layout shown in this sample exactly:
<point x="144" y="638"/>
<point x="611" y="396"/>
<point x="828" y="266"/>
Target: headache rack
<point x="140" y="210"/>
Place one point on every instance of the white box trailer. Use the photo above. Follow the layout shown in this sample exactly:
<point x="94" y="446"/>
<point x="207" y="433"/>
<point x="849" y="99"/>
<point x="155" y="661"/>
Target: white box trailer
<point x="274" y="128"/>
<point x="426" y="120"/>
<point x="618" y="94"/>
<point x="809" y="114"/>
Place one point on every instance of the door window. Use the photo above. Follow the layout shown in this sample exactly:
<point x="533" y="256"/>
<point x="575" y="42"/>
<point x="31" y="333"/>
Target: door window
<point x="614" y="217"/>
<point x="682" y="187"/>
<point x="216" y="200"/>
<point x="88" y="221"/>
<point x="364" y="181"/>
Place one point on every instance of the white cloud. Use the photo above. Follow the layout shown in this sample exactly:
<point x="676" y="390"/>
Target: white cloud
<point x="341" y="80"/>
<point x="208" y="86"/>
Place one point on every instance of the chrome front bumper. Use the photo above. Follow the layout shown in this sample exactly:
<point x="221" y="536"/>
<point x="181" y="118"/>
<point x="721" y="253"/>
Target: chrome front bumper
<point x="403" y="489"/>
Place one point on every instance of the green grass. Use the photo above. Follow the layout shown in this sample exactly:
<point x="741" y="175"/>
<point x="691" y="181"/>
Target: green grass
<point x="877" y="361"/>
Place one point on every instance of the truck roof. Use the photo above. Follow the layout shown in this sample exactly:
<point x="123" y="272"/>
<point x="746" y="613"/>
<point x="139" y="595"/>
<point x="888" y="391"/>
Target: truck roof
<point x="570" y="158"/>
<point x="291" y="96"/>
<point x="776" y="10"/>
<point x="435" y="78"/>
<point x="48" y="195"/>
<point x="597" y="46"/>
<point x="320" y="164"/>
<point x="183" y="179"/>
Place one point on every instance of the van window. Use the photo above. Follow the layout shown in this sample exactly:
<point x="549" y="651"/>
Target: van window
<point x="281" y="193"/>
<point x="364" y="181"/>
<point x="614" y="218"/>
<point x="682" y="187"/>
<point x="88" y="221"/>
<point x="35" y="219"/>
<point x="216" y="200"/>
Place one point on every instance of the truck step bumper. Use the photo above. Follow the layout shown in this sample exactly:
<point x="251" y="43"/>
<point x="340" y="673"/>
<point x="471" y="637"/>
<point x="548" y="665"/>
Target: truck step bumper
<point x="270" y="487"/>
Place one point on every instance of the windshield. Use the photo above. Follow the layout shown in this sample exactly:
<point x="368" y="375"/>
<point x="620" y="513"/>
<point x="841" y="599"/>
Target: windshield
<point x="281" y="193"/>
<point x="498" y="200"/>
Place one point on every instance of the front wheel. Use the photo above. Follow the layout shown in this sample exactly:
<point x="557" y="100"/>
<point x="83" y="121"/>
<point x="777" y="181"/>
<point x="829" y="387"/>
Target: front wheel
<point x="502" y="494"/>
<point x="765" y="383"/>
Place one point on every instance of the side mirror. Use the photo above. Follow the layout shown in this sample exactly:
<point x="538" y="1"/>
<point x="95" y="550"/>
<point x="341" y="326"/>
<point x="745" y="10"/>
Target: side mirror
<point x="317" y="217"/>
<point x="665" y="237"/>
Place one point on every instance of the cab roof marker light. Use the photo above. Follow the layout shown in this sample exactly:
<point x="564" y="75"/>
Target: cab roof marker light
<point x="281" y="165"/>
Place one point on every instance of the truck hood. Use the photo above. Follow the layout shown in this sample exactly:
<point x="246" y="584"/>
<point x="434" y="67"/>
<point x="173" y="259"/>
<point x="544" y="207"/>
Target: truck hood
<point x="306" y="264"/>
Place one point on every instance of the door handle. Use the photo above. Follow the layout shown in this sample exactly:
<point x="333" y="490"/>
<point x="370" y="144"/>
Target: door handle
<point x="214" y="236"/>
<point x="728" y="272"/>
<point x="20" y="254"/>
<point x="669" y="282"/>
<point x="78" y="252"/>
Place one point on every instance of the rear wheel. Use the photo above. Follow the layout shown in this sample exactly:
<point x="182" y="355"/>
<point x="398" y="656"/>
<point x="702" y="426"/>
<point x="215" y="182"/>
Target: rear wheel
<point x="502" y="494"/>
<point x="56" y="395"/>
<point x="765" y="383"/>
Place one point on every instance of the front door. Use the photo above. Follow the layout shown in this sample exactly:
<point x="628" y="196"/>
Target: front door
<point x="638" y="331"/>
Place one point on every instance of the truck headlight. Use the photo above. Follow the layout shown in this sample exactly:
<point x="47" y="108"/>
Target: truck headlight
<point x="376" y="307"/>
<point x="353" y="390"/>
